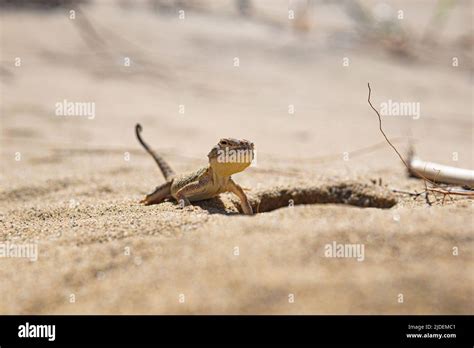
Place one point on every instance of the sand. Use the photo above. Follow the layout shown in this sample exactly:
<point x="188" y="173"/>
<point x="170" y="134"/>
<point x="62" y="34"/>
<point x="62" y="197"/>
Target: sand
<point x="70" y="184"/>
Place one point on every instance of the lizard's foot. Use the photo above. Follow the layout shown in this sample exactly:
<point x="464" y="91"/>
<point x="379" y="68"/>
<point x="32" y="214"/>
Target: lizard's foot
<point x="151" y="199"/>
<point x="191" y="208"/>
<point x="146" y="201"/>
<point x="247" y="209"/>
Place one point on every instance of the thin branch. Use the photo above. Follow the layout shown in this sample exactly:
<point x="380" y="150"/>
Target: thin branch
<point x="381" y="130"/>
<point x="436" y="187"/>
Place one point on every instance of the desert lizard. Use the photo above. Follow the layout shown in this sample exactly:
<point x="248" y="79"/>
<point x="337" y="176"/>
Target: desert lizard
<point x="228" y="157"/>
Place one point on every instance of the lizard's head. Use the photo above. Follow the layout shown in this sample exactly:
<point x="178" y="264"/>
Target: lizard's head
<point x="231" y="156"/>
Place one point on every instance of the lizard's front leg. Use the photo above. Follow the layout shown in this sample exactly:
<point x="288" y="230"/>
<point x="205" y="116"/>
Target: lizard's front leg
<point x="239" y="192"/>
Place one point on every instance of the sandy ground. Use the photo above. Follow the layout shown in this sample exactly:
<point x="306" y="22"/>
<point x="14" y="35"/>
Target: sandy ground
<point x="70" y="184"/>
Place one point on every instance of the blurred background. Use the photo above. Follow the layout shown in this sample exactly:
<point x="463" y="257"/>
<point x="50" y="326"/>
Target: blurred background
<point x="290" y="75"/>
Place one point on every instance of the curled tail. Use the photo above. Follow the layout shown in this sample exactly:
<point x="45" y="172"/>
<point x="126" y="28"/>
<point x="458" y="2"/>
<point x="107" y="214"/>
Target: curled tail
<point x="164" y="167"/>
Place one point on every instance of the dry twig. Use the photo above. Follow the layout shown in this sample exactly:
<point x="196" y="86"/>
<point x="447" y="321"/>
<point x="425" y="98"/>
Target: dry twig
<point x="435" y="188"/>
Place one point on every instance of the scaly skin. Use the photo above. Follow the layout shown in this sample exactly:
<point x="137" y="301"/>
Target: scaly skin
<point x="228" y="157"/>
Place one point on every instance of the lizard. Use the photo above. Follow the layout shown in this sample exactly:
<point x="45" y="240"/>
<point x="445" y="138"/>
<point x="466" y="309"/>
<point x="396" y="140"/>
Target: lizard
<point x="228" y="157"/>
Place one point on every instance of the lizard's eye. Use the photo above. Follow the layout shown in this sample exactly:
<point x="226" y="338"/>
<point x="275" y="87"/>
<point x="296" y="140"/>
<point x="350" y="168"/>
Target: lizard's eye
<point x="224" y="142"/>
